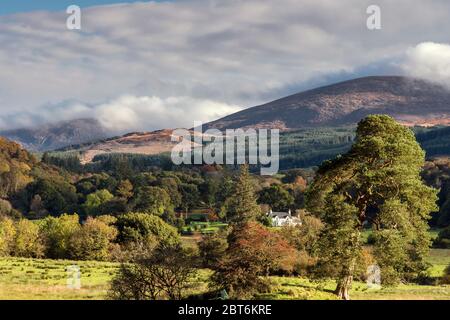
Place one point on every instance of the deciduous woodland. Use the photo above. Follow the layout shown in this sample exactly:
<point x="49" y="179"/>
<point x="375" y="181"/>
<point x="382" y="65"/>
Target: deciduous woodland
<point x="143" y="229"/>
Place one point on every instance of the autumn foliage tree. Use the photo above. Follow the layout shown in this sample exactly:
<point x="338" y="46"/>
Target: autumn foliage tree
<point x="254" y="252"/>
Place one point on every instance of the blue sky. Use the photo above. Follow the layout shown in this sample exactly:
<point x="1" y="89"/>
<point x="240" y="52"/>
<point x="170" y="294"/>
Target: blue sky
<point x="15" y="6"/>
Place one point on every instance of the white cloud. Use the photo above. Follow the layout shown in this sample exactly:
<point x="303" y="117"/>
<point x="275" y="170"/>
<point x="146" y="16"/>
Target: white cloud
<point x="429" y="61"/>
<point x="127" y="113"/>
<point x="144" y="113"/>
<point x="231" y="52"/>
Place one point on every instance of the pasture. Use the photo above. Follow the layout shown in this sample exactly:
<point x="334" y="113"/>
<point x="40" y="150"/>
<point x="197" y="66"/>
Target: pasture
<point x="36" y="279"/>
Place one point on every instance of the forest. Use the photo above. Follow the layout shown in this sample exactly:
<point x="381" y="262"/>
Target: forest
<point x="378" y="203"/>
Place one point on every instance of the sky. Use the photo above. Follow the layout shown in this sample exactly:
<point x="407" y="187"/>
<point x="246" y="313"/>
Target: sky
<point x="165" y="64"/>
<point x="17" y="6"/>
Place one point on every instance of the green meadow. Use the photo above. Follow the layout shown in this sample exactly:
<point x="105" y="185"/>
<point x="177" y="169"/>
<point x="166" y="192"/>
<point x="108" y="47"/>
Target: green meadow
<point x="37" y="279"/>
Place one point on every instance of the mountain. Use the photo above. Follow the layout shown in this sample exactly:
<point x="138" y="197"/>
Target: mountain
<point x="144" y="143"/>
<point x="137" y="143"/>
<point x="57" y="135"/>
<point x="410" y="101"/>
<point x="317" y="124"/>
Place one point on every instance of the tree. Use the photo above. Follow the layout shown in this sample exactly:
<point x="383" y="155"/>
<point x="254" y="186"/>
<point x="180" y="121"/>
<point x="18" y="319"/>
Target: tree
<point x="27" y="241"/>
<point x="37" y="208"/>
<point x="153" y="200"/>
<point x="15" y="167"/>
<point x="443" y="239"/>
<point x="93" y="240"/>
<point x="7" y="210"/>
<point x="190" y="197"/>
<point x="115" y="207"/>
<point x="304" y="239"/>
<point x="377" y="182"/>
<point x="145" y="228"/>
<point x="56" y="195"/>
<point x="125" y="189"/>
<point x="209" y="190"/>
<point x="57" y="234"/>
<point x="446" y="276"/>
<point x="170" y="184"/>
<point x="253" y="253"/>
<point x="243" y="206"/>
<point x="7" y="234"/>
<point x="165" y="273"/>
<point x="212" y="248"/>
<point x="276" y="197"/>
<point x="95" y="200"/>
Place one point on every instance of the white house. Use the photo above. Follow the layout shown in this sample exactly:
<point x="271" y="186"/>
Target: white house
<point x="281" y="219"/>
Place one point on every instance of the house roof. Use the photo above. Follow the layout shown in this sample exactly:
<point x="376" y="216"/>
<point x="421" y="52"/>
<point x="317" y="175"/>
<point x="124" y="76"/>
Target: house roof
<point x="279" y="214"/>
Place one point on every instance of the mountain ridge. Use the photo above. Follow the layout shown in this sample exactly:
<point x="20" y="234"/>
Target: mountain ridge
<point x="410" y="101"/>
<point x="57" y="135"/>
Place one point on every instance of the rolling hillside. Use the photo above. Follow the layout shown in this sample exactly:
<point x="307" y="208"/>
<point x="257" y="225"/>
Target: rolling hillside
<point x="410" y="101"/>
<point x="57" y="135"/>
<point x="316" y="125"/>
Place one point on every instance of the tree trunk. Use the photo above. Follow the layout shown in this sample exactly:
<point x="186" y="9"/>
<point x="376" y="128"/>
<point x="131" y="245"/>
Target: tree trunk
<point x="343" y="287"/>
<point x="345" y="283"/>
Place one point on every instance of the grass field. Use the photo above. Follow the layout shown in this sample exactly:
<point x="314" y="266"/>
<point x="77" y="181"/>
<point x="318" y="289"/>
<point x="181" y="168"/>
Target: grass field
<point x="203" y="227"/>
<point x="47" y="279"/>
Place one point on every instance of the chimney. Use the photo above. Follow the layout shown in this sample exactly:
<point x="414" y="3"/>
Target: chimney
<point x="289" y="212"/>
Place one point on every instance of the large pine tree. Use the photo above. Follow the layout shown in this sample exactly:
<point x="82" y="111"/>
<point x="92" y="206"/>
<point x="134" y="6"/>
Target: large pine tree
<point x="377" y="183"/>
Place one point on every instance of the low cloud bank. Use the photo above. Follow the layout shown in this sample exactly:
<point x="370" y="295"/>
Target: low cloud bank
<point x="126" y="113"/>
<point x="429" y="61"/>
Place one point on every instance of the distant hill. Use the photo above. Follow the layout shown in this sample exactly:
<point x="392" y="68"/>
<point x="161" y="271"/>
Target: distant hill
<point x="318" y="124"/>
<point x="143" y="143"/>
<point x="57" y="135"/>
<point x="15" y="166"/>
<point x="410" y="101"/>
